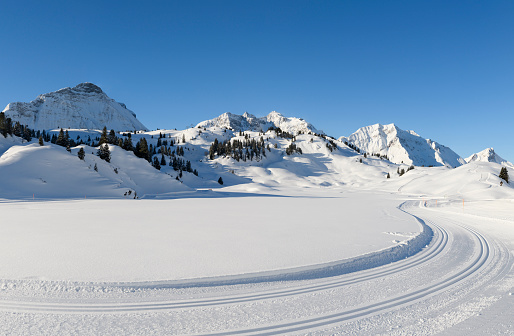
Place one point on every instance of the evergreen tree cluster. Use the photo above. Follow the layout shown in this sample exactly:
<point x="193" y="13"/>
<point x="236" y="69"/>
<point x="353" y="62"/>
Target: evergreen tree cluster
<point x="247" y="149"/>
<point x="352" y="146"/>
<point x="8" y="128"/>
<point x="292" y="148"/>
<point x="331" y="145"/>
<point x="280" y="133"/>
<point x="355" y="148"/>
<point x="141" y="150"/>
<point x="104" y="152"/>
<point x="504" y="174"/>
<point x="181" y="165"/>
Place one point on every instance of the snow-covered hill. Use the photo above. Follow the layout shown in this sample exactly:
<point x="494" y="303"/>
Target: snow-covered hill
<point x="403" y="146"/>
<point x="49" y="171"/>
<point x="83" y="106"/>
<point x="488" y="155"/>
<point x="249" y="122"/>
<point x="474" y="181"/>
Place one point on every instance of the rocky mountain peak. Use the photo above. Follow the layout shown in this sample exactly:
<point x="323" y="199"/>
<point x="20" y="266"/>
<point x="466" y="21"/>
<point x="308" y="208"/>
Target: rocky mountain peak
<point x="84" y="106"/>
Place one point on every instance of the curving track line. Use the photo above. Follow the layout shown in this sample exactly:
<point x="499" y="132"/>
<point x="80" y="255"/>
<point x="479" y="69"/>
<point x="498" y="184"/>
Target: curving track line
<point x="437" y="248"/>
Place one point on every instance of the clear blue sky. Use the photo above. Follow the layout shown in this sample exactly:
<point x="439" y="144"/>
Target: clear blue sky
<point x="442" y="68"/>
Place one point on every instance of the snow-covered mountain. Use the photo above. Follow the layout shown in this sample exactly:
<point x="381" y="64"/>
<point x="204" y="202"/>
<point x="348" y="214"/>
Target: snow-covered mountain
<point x="403" y="146"/>
<point x="488" y="155"/>
<point x="249" y="122"/>
<point x="84" y="106"/>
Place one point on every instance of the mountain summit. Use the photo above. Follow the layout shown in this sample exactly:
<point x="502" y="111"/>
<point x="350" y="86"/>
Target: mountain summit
<point x="249" y="122"/>
<point x="83" y="106"/>
<point x="488" y="155"/>
<point x="403" y="146"/>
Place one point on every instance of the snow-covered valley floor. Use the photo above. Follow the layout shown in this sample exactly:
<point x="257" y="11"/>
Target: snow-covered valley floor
<point x="328" y="261"/>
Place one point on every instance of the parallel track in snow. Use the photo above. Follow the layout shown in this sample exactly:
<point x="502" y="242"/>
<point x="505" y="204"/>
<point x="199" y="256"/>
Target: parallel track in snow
<point x="377" y="307"/>
<point x="438" y="248"/>
<point x="435" y="248"/>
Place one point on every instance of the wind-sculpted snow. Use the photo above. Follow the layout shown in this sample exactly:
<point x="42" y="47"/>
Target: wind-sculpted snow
<point x="83" y="106"/>
<point x="403" y="146"/>
<point x="249" y="122"/>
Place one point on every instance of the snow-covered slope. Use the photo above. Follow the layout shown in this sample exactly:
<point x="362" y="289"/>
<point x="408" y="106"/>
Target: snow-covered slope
<point x="249" y="122"/>
<point x="488" y="155"/>
<point x="403" y="146"/>
<point x="474" y="181"/>
<point x="83" y="106"/>
<point x="49" y="171"/>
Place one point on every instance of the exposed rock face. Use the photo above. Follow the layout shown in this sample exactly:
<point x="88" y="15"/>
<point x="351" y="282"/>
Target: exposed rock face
<point x="403" y="146"/>
<point x="249" y="122"/>
<point x="83" y="106"/>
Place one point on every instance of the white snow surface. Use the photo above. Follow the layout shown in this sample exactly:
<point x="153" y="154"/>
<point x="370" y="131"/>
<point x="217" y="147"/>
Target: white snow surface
<point x="317" y="243"/>
<point x="34" y="171"/>
<point x="403" y="146"/>
<point x="151" y="240"/>
<point x="488" y="155"/>
<point x="249" y="122"/>
<point x="83" y="106"/>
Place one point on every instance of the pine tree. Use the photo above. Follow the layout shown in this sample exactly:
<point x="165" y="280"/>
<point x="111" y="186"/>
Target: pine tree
<point x="156" y="164"/>
<point x="388" y="175"/>
<point x="163" y="160"/>
<point x="103" y="137"/>
<point x="104" y="153"/>
<point x="27" y="134"/>
<point x="95" y="168"/>
<point x="17" y="129"/>
<point x="41" y="143"/>
<point x="127" y="143"/>
<point x="504" y="174"/>
<point x="111" y="138"/>
<point x="81" y="154"/>
<point x="141" y="150"/>
<point x="220" y="181"/>
<point x="61" y="139"/>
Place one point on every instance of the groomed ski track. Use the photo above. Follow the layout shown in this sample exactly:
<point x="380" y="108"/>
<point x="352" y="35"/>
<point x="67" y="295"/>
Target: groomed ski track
<point x="458" y="263"/>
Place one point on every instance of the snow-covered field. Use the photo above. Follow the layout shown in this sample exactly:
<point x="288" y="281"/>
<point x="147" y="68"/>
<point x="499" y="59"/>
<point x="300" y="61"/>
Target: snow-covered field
<point x="221" y="233"/>
<point x="190" y="265"/>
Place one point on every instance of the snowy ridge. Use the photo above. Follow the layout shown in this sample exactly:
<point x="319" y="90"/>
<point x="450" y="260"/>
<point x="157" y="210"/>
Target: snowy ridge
<point x="83" y="106"/>
<point x="403" y="146"/>
<point x="249" y="122"/>
<point x="488" y="155"/>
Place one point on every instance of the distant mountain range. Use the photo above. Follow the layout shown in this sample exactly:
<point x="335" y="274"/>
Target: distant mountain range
<point x="86" y="106"/>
